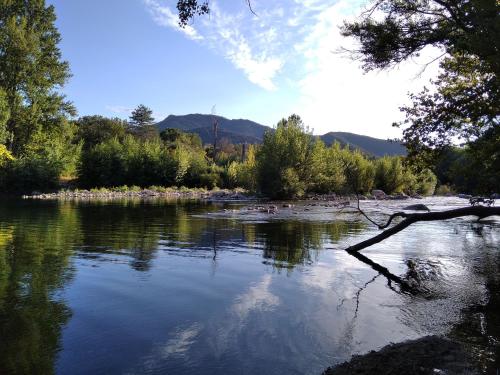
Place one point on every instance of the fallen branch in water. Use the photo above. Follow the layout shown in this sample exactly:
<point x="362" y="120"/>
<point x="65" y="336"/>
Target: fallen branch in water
<point x="410" y="218"/>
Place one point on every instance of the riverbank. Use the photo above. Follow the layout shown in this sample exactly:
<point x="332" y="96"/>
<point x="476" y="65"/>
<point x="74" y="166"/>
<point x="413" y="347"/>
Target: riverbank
<point x="195" y="193"/>
<point x="429" y="355"/>
<point x="150" y="193"/>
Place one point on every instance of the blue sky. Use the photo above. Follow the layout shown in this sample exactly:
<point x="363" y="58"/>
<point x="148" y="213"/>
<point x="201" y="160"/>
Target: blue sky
<point x="126" y="52"/>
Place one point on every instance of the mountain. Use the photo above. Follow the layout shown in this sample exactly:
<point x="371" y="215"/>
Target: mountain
<point x="374" y="146"/>
<point x="206" y="135"/>
<point x="246" y="131"/>
<point x="190" y="123"/>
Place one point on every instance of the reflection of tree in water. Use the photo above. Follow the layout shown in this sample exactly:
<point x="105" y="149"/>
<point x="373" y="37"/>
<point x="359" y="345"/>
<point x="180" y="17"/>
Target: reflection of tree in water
<point x="124" y="228"/>
<point x="34" y="265"/>
<point x="138" y="229"/>
<point x="290" y="243"/>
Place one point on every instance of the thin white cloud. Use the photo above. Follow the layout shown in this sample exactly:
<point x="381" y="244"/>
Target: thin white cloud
<point x="120" y="109"/>
<point x="224" y="33"/>
<point x="289" y="47"/>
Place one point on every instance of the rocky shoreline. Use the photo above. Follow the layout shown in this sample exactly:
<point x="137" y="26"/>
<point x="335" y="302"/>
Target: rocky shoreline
<point x="104" y="194"/>
<point x="375" y="195"/>
<point x="203" y="194"/>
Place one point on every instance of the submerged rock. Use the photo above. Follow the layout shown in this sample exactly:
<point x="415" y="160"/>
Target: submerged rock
<point x="417" y="207"/>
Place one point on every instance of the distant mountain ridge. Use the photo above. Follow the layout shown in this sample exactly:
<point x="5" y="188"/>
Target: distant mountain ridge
<point x="247" y="131"/>
<point x="374" y="146"/>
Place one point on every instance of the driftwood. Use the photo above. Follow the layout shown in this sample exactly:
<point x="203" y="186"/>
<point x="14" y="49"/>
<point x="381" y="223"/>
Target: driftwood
<point x="410" y="218"/>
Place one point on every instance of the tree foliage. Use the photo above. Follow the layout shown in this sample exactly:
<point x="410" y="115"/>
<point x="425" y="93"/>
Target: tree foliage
<point x="463" y="106"/>
<point x="142" y="123"/>
<point x="4" y="117"/>
<point x="464" y="102"/>
<point x="292" y="162"/>
<point x="190" y="8"/>
<point x="393" y="30"/>
<point x="286" y="158"/>
<point x="92" y="130"/>
<point x="31" y="71"/>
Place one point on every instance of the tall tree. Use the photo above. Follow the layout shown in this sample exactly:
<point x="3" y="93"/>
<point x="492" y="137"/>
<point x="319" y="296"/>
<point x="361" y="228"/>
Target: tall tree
<point x="465" y="102"/>
<point x="142" y="116"/>
<point x="286" y="159"/>
<point x="31" y="71"/>
<point x="4" y="117"/>
<point x="142" y="123"/>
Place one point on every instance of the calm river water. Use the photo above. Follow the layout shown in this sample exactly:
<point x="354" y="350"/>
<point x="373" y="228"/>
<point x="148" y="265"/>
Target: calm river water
<point x="209" y="288"/>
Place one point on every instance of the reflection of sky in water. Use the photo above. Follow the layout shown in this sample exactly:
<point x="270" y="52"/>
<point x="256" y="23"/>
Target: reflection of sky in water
<point x="185" y="289"/>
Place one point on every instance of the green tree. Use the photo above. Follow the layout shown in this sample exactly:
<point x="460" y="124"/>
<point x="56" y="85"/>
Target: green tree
<point x="464" y="103"/>
<point x="173" y="137"/>
<point x="244" y="174"/>
<point x="390" y="175"/>
<point x="329" y="167"/>
<point x="92" y="130"/>
<point x="4" y="117"/>
<point x="359" y="172"/>
<point x="404" y="28"/>
<point x="142" y="123"/>
<point x="285" y="160"/>
<point x="31" y="71"/>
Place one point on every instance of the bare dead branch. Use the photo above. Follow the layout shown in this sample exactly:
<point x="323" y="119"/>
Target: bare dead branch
<point x="365" y="215"/>
<point x="426" y="65"/>
<point x="479" y="211"/>
<point x="249" y="3"/>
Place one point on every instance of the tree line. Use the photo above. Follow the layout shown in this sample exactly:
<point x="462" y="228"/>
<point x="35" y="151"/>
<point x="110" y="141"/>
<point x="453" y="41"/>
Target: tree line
<point x="291" y="162"/>
<point x="452" y="125"/>
<point x="40" y="142"/>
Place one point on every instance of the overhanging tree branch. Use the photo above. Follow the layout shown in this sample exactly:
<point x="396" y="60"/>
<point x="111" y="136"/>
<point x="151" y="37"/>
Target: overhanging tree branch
<point x="411" y="218"/>
<point x="478" y="211"/>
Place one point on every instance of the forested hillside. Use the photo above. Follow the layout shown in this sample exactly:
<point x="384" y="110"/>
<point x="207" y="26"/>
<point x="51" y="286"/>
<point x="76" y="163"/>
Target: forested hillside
<point x="246" y="131"/>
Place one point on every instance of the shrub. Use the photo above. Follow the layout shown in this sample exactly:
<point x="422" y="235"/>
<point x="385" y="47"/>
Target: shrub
<point x="25" y="175"/>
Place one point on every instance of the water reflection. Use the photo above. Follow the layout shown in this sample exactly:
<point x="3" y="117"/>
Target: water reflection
<point x="291" y="243"/>
<point x="131" y="287"/>
<point x="35" y="255"/>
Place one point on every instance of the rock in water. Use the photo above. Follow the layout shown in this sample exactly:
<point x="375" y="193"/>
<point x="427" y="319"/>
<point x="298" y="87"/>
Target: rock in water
<point x="417" y="207"/>
<point x="379" y="194"/>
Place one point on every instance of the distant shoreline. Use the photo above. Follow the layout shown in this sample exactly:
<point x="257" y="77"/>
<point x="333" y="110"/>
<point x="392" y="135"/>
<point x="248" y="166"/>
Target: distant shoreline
<point x="138" y="193"/>
<point x="193" y="193"/>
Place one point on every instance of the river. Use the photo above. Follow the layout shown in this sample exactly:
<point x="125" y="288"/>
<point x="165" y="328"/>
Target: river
<point x="185" y="287"/>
